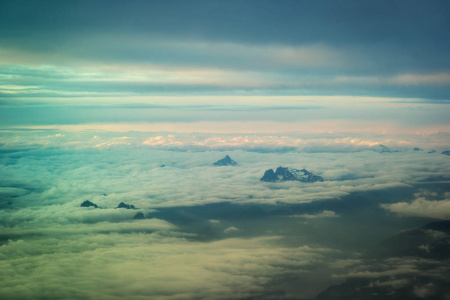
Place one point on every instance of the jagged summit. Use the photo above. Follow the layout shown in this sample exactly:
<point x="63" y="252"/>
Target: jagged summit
<point x="290" y="174"/>
<point x="226" y="161"/>
<point x="127" y="206"/>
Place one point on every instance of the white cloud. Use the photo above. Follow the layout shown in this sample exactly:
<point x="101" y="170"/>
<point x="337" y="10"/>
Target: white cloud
<point x="148" y="265"/>
<point x="188" y="178"/>
<point x="421" y="207"/>
<point x="105" y="254"/>
<point x="221" y="136"/>
<point x="269" y="142"/>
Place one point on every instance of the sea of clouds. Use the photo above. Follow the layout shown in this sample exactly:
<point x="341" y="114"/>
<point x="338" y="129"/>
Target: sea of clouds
<point x="52" y="248"/>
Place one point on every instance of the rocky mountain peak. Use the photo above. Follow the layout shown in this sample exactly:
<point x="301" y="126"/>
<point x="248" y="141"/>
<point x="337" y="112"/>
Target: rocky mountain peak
<point x="127" y="206"/>
<point x="290" y="174"/>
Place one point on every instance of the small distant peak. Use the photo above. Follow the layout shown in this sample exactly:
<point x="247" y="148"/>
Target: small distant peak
<point x="127" y="206"/>
<point x="88" y="203"/>
<point x="226" y="161"/>
<point x="381" y="148"/>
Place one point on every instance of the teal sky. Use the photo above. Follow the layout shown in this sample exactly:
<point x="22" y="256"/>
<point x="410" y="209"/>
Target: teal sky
<point x="293" y="62"/>
<point x="113" y="49"/>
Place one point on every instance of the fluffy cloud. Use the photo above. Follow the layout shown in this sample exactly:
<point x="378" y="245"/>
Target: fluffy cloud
<point x="423" y="207"/>
<point x="148" y="178"/>
<point x="147" y="265"/>
<point x="52" y="246"/>
<point x="261" y="143"/>
<point x="192" y="136"/>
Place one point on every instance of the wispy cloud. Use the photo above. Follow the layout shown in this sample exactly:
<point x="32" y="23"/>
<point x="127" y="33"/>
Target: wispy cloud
<point x="323" y="214"/>
<point x="406" y="79"/>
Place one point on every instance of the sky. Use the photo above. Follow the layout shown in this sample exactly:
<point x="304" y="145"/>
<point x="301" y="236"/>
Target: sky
<point x="370" y="60"/>
<point x="133" y="102"/>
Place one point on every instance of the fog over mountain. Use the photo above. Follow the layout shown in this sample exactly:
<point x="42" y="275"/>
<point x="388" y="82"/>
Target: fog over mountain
<point x="224" y="150"/>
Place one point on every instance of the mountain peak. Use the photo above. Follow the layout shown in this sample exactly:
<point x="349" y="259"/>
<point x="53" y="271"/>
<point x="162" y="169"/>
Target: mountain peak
<point x="226" y="161"/>
<point x="127" y="206"/>
<point x="88" y="203"/>
<point x="290" y="174"/>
